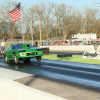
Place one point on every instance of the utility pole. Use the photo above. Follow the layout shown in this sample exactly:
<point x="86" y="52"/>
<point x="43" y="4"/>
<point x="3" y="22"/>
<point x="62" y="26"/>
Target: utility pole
<point x="32" y="26"/>
<point x="40" y="25"/>
<point x="84" y="24"/>
<point x="22" y="31"/>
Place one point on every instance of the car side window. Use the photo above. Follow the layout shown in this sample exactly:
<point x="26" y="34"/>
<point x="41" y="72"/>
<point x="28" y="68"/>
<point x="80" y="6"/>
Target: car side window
<point x="10" y="48"/>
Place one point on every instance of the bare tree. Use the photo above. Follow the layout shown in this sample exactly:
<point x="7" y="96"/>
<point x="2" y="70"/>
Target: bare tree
<point x="39" y="9"/>
<point x="5" y="7"/>
<point x="90" y="19"/>
<point x="48" y="8"/>
<point x="63" y="15"/>
<point x="78" y="21"/>
<point x="55" y="20"/>
<point x="57" y="15"/>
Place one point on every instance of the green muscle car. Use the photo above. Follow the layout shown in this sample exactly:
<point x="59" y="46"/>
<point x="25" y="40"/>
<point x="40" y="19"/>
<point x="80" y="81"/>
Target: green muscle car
<point x="17" y="52"/>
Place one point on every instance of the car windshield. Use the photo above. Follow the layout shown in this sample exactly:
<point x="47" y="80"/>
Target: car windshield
<point x="18" y="46"/>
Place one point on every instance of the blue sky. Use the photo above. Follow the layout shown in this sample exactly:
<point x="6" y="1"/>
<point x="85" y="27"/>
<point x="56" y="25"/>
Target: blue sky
<point x="74" y="3"/>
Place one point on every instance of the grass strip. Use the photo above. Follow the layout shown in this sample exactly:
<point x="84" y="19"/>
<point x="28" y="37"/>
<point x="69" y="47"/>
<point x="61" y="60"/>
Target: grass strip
<point x="75" y="58"/>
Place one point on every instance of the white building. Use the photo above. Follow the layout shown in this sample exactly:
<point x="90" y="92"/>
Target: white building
<point x="85" y="36"/>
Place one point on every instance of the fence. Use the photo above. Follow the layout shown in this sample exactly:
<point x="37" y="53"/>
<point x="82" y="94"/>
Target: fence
<point x="57" y="42"/>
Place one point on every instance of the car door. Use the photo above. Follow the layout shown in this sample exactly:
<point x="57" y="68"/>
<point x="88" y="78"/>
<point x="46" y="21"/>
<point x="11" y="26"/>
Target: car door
<point x="9" y="53"/>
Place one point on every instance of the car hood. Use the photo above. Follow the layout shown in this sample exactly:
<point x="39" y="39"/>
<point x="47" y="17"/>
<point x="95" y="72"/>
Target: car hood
<point x="30" y="50"/>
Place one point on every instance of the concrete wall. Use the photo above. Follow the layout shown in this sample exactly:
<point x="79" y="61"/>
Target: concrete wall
<point x="98" y="49"/>
<point x="11" y="90"/>
<point x="70" y="48"/>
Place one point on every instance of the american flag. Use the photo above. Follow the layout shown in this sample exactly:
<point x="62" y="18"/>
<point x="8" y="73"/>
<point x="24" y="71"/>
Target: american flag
<point x="15" y="13"/>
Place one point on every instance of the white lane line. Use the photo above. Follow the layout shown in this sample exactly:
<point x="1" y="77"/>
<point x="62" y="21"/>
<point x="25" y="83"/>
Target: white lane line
<point x="63" y="69"/>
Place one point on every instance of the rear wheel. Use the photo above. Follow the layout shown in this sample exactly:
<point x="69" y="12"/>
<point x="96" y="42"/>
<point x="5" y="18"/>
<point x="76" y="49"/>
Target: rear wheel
<point x="6" y="59"/>
<point x="38" y="58"/>
<point x="16" y="59"/>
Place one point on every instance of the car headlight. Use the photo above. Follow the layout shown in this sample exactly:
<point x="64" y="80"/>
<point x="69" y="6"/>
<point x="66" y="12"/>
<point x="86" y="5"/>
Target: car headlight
<point x="40" y="52"/>
<point x="21" y="53"/>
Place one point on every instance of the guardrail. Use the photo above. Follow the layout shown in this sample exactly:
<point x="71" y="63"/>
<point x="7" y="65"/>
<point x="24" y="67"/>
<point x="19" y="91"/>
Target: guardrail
<point x="70" y="48"/>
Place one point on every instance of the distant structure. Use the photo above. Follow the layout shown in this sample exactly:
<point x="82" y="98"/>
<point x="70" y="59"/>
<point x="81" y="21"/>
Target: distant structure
<point x="58" y="38"/>
<point x="85" y="36"/>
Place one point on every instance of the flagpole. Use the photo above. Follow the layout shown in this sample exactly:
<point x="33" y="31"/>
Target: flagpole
<point x="22" y="22"/>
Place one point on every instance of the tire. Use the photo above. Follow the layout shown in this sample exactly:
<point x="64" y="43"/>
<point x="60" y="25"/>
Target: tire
<point x="38" y="58"/>
<point x="7" y="61"/>
<point x="27" y="60"/>
<point x="15" y="59"/>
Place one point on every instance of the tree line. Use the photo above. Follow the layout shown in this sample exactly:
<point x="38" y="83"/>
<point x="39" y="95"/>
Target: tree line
<point x="54" y="20"/>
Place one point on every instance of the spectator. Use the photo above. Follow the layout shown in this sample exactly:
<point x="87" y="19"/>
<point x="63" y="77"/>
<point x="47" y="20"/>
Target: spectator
<point x="63" y="43"/>
<point x="83" y="41"/>
<point x="58" y="43"/>
<point x="66" y="41"/>
<point x="46" y="42"/>
<point x="70" y="42"/>
<point x="3" y="46"/>
<point x="89" y="41"/>
<point x="36" y="44"/>
<point x="76" y="43"/>
<point x="42" y="43"/>
<point x="53" y="42"/>
<point x="97" y="41"/>
<point x="94" y="41"/>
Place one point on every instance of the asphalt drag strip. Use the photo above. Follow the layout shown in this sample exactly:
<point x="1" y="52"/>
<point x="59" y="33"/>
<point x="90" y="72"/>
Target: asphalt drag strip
<point x="78" y="73"/>
<point x="73" y="81"/>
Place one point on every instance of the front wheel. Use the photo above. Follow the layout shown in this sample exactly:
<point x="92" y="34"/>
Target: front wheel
<point x="15" y="59"/>
<point x="6" y="59"/>
<point x="38" y="58"/>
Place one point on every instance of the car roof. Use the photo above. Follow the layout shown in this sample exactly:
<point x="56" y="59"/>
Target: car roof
<point x="18" y="43"/>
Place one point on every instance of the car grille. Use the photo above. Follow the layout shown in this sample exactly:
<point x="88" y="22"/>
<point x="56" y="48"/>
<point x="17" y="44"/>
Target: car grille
<point x="33" y="53"/>
<point x="39" y="50"/>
